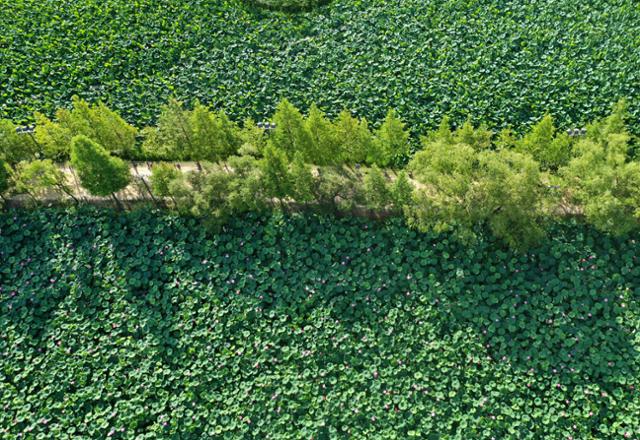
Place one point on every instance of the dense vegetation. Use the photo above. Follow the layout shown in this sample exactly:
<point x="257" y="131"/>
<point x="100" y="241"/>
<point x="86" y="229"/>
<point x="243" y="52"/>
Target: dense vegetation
<point x="120" y="325"/>
<point x="288" y="5"/>
<point x="458" y="180"/>
<point x="502" y="63"/>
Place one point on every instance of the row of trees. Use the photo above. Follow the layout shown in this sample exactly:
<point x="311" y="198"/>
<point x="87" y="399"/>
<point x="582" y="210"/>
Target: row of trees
<point x="460" y="179"/>
<point x="201" y="134"/>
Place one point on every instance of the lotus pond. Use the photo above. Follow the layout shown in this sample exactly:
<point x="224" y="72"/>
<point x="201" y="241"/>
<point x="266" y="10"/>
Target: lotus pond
<point x="147" y="325"/>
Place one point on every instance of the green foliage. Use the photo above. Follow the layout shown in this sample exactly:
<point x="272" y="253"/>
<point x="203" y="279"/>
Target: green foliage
<point x="551" y="149"/>
<point x="99" y="172"/>
<point x="54" y="139"/>
<point x="162" y="174"/>
<point x="275" y="169"/>
<point x="337" y="189"/>
<point x="392" y="141"/>
<point x="96" y="122"/>
<point x="39" y="177"/>
<point x="602" y="179"/>
<point x="288" y="5"/>
<point x="145" y="325"/>
<point x="323" y="146"/>
<point x="461" y="188"/>
<point x="354" y="137"/>
<point x="219" y="194"/>
<point x="198" y="134"/>
<point x="302" y="180"/>
<point x="15" y="147"/>
<point x="5" y="177"/>
<point x="376" y="189"/>
<point x="479" y="138"/>
<point x="401" y="192"/>
<point x="252" y="139"/>
<point x="290" y="134"/>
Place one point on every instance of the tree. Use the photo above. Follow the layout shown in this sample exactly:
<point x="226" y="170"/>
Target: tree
<point x="542" y="142"/>
<point x="601" y="177"/>
<point x="172" y="137"/>
<point x="99" y="172"/>
<point x="461" y="189"/>
<point x="479" y="138"/>
<point x="323" y="148"/>
<point x="252" y="139"/>
<point x="275" y="167"/>
<point x="97" y="122"/>
<point x="401" y="192"/>
<point x="301" y="180"/>
<point x="376" y="189"/>
<point x="36" y="178"/>
<point x="353" y="137"/>
<point x="162" y="174"/>
<point x="392" y="141"/>
<point x="15" y="147"/>
<point x="511" y="197"/>
<point x="290" y="134"/>
<point x="53" y="137"/>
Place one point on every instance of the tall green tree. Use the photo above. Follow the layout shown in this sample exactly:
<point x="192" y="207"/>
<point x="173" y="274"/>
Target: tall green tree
<point x="354" y="138"/>
<point x="290" y="134"/>
<point x="96" y="121"/>
<point x="275" y="170"/>
<point x="392" y="141"/>
<point x="302" y="180"/>
<point x="546" y="145"/>
<point x="323" y="147"/>
<point x="479" y="138"/>
<point x="5" y="177"/>
<point x="401" y="192"/>
<point x="172" y="138"/>
<point x="376" y="189"/>
<point x="99" y="172"/>
<point x="603" y="179"/>
<point x="461" y="189"/>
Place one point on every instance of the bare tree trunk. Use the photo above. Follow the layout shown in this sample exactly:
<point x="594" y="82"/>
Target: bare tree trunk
<point x="144" y="182"/>
<point x="118" y="204"/>
<point x="70" y="194"/>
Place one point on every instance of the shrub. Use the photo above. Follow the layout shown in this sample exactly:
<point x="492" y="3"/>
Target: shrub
<point x="99" y="172"/>
<point x="15" y="147"/>
<point x="376" y="189"/>
<point x="354" y="137"/>
<point x="38" y="177"/>
<point x="5" y="177"/>
<point x="198" y="134"/>
<point x="323" y="145"/>
<point x="302" y="180"/>
<point x="162" y="174"/>
<point x="275" y="171"/>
